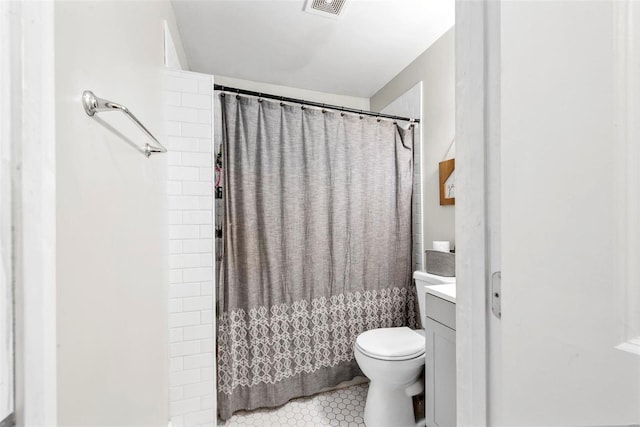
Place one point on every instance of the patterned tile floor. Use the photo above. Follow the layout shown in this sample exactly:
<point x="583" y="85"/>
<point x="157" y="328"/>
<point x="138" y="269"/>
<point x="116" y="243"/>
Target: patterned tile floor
<point x="339" y="408"/>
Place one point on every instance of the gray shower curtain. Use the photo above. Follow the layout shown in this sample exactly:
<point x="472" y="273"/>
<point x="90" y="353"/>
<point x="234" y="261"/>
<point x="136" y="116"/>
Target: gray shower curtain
<point x="317" y="246"/>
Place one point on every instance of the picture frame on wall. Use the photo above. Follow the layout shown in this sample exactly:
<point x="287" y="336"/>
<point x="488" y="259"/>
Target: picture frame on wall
<point x="447" y="182"/>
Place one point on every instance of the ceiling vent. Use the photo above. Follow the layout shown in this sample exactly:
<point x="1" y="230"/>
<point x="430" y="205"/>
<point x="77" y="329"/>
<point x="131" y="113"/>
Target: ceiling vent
<point x="326" y="8"/>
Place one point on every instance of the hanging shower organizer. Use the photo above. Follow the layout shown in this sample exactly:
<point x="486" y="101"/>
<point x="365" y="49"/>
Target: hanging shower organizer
<point x="92" y="105"/>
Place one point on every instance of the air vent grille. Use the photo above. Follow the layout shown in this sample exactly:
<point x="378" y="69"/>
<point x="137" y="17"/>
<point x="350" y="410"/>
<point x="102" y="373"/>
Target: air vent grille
<point x="327" y="8"/>
<point x="334" y="7"/>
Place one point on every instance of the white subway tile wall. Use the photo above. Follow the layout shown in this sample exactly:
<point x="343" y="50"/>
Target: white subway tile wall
<point x="409" y="105"/>
<point x="189" y="112"/>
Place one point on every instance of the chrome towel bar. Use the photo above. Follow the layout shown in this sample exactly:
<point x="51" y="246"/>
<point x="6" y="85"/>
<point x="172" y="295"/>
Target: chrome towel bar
<point x="92" y="105"/>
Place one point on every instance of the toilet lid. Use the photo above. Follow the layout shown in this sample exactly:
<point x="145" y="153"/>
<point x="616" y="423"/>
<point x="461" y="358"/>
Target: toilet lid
<point x="391" y="343"/>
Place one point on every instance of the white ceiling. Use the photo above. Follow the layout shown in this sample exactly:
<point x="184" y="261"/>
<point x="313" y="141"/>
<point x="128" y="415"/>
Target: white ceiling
<point x="274" y="41"/>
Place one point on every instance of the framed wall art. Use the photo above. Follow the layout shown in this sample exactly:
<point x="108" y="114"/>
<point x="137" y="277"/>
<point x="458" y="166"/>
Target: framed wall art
<point x="447" y="170"/>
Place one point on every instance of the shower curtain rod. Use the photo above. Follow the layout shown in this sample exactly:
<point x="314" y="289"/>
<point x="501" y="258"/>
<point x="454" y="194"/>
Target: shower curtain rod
<point x="310" y="103"/>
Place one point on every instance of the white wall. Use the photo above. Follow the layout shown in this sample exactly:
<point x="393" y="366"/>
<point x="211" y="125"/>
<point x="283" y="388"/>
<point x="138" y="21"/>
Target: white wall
<point x="111" y="217"/>
<point x="435" y="68"/>
<point x="174" y="56"/>
<point x="189" y="114"/>
<point x="291" y="92"/>
<point x="560" y="219"/>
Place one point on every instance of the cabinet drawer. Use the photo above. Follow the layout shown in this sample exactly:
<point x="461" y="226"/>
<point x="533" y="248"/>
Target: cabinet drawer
<point x="441" y="310"/>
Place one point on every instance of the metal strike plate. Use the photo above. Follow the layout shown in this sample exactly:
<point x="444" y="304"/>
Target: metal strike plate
<point x="496" y="295"/>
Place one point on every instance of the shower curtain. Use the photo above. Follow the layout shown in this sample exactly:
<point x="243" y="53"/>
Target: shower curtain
<point x="317" y="246"/>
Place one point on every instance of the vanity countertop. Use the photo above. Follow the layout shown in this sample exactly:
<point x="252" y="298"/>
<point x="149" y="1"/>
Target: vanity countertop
<point x="446" y="291"/>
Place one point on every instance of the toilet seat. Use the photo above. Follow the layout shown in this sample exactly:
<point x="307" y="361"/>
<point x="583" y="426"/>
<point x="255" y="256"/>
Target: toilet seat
<point x="391" y="343"/>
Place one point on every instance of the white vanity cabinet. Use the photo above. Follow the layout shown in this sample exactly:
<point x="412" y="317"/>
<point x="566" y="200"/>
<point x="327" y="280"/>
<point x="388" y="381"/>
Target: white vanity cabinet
<point x="440" y="358"/>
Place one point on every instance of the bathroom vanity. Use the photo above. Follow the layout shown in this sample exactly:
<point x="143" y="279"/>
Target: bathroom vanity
<point x="440" y="355"/>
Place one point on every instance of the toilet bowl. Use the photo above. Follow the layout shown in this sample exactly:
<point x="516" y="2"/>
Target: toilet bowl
<point x="393" y="360"/>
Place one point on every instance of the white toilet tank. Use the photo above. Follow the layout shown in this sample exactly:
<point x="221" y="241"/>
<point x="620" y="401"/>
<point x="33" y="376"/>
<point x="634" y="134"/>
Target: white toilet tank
<point x="423" y="279"/>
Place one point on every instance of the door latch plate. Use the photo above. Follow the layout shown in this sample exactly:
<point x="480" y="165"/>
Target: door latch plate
<point x="496" y="294"/>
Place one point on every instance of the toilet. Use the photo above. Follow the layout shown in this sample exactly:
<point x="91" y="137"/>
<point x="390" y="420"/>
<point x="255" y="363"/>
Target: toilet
<point x="393" y="359"/>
